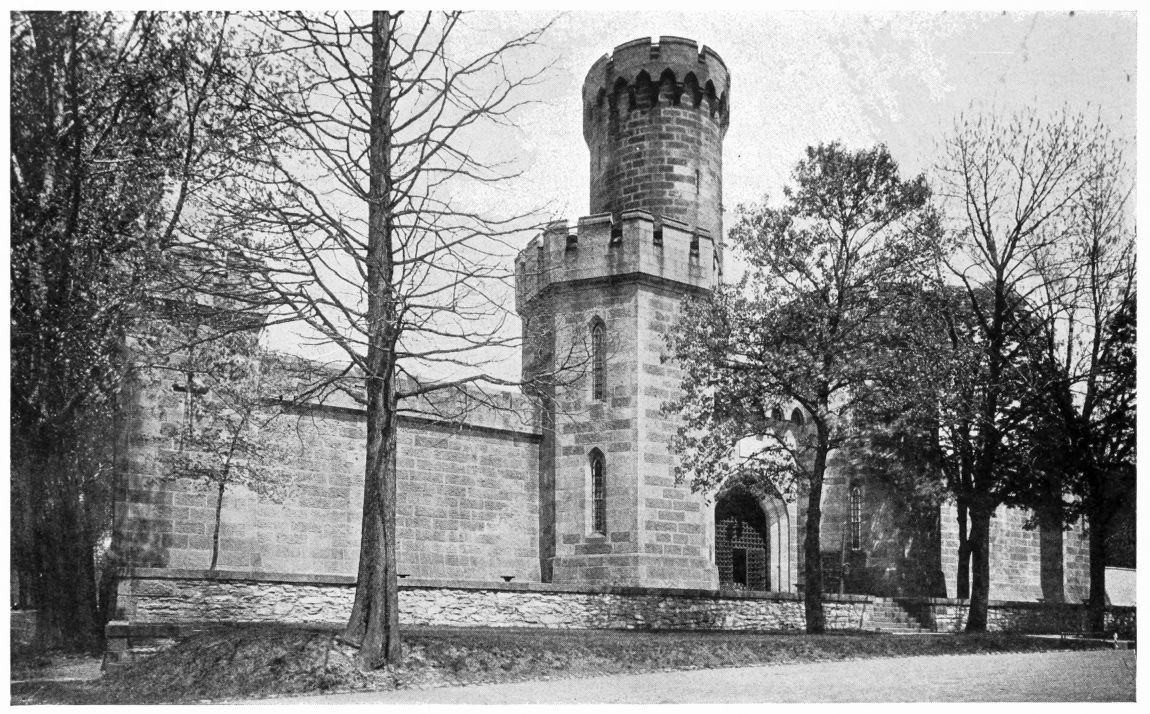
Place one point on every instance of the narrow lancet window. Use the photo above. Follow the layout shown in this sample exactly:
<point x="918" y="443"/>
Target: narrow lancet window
<point x="856" y="518"/>
<point x="598" y="492"/>
<point x="598" y="360"/>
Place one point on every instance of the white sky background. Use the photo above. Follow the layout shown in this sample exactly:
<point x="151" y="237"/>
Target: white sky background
<point x="798" y="79"/>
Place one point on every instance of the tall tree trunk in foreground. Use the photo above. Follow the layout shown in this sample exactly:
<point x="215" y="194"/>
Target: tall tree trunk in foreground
<point x="374" y="621"/>
<point x="812" y="543"/>
<point x="980" y="568"/>
<point x="1097" y="520"/>
<point x="962" y="586"/>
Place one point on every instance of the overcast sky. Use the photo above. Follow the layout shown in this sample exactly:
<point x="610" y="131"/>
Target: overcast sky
<point x="803" y="78"/>
<point x="798" y="79"/>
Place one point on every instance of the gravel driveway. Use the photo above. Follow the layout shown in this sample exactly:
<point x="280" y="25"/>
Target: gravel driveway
<point x="1091" y="676"/>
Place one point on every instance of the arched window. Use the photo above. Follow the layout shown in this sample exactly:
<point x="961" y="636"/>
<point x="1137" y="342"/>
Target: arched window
<point x="856" y="518"/>
<point x="777" y="413"/>
<point x="797" y="416"/>
<point x="598" y="492"/>
<point x="598" y="360"/>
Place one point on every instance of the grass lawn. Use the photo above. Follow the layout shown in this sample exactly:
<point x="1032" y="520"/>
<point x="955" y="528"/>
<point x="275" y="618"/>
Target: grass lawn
<point x="268" y="661"/>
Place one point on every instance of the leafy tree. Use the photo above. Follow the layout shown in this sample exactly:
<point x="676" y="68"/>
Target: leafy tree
<point x="373" y="210"/>
<point x="1010" y="187"/>
<point x="116" y="126"/>
<point x="810" y="323"/>
<point x="925" y="441"/>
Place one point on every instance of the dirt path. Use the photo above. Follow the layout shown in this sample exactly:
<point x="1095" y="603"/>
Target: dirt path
<point x="1094" y="676"/>
<point x="60" y="668"/>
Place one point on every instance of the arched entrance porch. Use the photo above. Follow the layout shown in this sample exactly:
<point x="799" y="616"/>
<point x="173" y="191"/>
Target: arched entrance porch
<point x="752" y="541"/>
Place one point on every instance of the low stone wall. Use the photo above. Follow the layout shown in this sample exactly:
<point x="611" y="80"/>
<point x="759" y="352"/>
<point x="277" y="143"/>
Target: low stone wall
<point x="167" y="596"/>
<point x="621" y="608"/>
<point x="949" y="615"/>
<point x="191" y="596"/>
<point x="155" y="607"/>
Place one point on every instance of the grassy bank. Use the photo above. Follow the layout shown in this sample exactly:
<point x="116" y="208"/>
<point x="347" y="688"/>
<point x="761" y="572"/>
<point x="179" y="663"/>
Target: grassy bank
<point x="269" y="661"/>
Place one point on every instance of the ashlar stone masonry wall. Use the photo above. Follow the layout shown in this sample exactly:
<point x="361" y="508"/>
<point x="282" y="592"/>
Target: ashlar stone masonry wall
<point x="1019" y="557"/>
<point x="467" y="495"/>
<point x="676" y="526"/>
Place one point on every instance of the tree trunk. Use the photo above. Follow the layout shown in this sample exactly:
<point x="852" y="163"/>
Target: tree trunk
<point x="962" y="585"/>
<point x="1097" y="521"/>
<point x="812" y="563"/>
<point x="216" y="529"/>
<point x="374" y="622"/>
<point x="812" y="545"/>
<point x="980" y="568"/>
<point x="61" y="569"/>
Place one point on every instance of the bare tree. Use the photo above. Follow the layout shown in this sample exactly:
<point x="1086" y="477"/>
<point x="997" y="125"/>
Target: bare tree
<point x="1011" y="187"/>
<point x="1088" y="309"/>
<point x="374" y="213"/>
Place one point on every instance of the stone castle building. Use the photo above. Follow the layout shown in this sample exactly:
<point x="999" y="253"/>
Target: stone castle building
<point x="568" y="492"/>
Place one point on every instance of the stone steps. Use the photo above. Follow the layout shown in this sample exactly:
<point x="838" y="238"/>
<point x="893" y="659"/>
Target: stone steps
<point x="888" y="616"/>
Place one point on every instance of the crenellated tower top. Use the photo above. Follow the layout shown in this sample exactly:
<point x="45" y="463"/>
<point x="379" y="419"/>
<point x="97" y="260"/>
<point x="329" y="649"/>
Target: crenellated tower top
<point x="699" y="74"/>
<point x="654" y="117"/>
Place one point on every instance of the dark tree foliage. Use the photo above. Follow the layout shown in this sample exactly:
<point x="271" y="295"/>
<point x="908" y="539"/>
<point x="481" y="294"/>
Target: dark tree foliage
<point x="113" y="132"/>
<point x="809" y="324"/>
<point x="1083" y="436"/>
<point x="924" y="441"/>
<point x="1091" y="312"/>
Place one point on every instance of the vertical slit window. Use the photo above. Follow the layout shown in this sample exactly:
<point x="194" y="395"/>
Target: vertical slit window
<point x="856" y="518"/>
<point x="598" y="360"/>
<point x="598" y="493"/>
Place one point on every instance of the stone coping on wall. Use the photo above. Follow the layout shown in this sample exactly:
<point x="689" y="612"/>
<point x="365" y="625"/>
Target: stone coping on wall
<point x="436" y="584"/>
<point x="234" y="575"/>
<point x="439" y="584"/>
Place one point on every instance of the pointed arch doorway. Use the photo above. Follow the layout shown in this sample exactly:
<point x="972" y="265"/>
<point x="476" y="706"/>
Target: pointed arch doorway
<point x="752" y="541"/>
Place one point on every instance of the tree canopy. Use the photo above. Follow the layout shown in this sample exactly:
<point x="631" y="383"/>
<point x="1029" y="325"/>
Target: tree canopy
<point x="811" y="323"/>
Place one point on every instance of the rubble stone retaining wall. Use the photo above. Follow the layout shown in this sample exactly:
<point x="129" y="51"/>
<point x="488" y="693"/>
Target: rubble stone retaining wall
<point x="188" y="596"/>
<point x="949" y="615"/>
<point x="155" y="607"/>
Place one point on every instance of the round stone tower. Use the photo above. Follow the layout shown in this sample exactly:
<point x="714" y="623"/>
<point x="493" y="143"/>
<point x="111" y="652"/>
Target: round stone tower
<point x="654" y="117"/>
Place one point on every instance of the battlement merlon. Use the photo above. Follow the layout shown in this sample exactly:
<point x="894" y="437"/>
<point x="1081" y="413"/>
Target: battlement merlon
<point x="634" y="246"/>
<point x="681" y="56"/>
